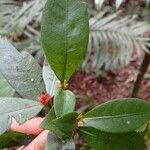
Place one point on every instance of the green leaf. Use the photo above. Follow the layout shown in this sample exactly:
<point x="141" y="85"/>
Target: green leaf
<point x="147" y="134"/>
<point x="20" y="109"/>
<point x="48" y="124"/>
<point x="50" y="79"/>
<point x="5" y="88"/>
<point x="106" y="141"/>
<point x="142" y="128"/>
<point x="65" y="35"/>
<point x="10" y="139"/>
<point x="54" y="142"/>
<point x="118" y="116"/>
<point x="21" y="71"/>
<point x="67" y="122"/>
<point x="64" y="102"/>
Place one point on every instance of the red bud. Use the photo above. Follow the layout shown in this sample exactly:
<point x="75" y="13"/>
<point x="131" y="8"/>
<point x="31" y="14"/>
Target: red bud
<point x="45" y="99"/>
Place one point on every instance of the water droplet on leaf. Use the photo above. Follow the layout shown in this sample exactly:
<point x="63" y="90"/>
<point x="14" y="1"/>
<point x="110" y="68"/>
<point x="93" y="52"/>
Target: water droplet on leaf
<point x="32" y="80"/>
<point x="128" y="122"/>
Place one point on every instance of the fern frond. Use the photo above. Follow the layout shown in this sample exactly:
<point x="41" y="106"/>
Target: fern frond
<point x="99" y="3"/>
<point x="7" y="11"/>
<point x="112" y="41"/>
<point x="19" y="18"/>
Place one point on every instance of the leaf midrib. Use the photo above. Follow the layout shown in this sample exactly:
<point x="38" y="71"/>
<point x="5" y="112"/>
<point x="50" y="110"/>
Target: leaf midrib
<point x="66" y="41"/>
<point x="117" y="116"/>
<point x="2" y="113"/>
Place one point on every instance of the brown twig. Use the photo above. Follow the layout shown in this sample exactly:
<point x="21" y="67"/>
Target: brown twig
<point x="142" y="71"/>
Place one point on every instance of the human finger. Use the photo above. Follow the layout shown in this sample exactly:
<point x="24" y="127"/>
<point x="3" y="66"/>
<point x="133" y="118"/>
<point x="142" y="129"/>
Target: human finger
<point x="29" y="127"/>
<point x="38" y="143"/>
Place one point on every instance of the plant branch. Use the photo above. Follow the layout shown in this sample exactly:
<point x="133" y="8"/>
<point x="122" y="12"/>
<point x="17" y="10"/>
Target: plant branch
<point x="143" y="69"/>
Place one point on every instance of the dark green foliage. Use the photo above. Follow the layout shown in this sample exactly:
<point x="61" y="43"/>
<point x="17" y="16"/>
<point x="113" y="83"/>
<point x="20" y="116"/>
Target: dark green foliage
<point x="10" y="139"/>
<point x="117" y="116"/>
<point x="107" y="141"/>
<point x="67" y="123"/>
<point x="49" y="125"/>
<point x="65" y="35"/>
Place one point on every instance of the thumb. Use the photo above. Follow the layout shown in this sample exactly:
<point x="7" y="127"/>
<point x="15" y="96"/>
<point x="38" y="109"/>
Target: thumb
<point x="38" y="143"/>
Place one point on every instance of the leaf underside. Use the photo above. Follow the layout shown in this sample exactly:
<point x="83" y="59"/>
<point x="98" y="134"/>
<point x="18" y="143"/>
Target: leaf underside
<point x="55" y="142"/>
<point x="21" y="71"/>
<point x="64" y="102"/>
<point x="20" y="109"/>
<point x="50" y="80"/>
<point x="5" y="89"/>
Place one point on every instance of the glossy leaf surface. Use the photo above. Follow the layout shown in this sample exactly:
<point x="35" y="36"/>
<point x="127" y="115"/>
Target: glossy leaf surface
<point x="118" y="116"/>
<point x="49" y="125"/>
<point x="65" y="33"/>
<point x="67" y="122"/>
<point x="106" y="141"/>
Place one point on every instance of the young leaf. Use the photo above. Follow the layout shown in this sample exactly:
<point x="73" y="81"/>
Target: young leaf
<point x="106" y="141"/>
<point x="20" y="109"/>
<point x="21" y="71"/>
<point x="66" y="123"/>
<point x="65" y="35"/>
<point x="64" y="102"/>
<point x="54" y="142"/>
<point x="48" y="125"/>
<point x="5" y="88"/>
<point x="50" y="79"/>
<point x="118" y="116"/>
